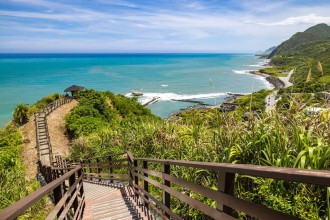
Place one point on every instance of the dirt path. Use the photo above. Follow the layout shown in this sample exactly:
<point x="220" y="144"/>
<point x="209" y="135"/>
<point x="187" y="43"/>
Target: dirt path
<point x="29" y="153"/>
<point x="56" y="129"/>
<point x="59" y="141"/>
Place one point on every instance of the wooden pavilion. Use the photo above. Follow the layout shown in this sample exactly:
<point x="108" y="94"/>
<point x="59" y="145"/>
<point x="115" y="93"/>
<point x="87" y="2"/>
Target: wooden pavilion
<point x="73" y="89"/>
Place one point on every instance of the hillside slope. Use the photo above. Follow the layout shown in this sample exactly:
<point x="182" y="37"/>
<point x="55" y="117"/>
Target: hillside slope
<point x="307" y="51"/>
<point x="313" y="36"/>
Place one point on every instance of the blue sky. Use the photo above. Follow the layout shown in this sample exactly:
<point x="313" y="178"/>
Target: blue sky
<point x="110" y="26"/>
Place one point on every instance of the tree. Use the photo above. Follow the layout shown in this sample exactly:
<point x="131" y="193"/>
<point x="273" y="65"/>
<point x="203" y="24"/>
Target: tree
<point x="21" y="113"/>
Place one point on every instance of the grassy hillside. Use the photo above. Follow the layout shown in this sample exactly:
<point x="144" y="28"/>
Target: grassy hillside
<point x="304" y="51"/>
<point x="13" y="185"/>
<point x="298" y="42"/>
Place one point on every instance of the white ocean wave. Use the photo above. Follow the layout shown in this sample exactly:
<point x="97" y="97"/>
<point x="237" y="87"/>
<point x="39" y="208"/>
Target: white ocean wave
<point x="262" y="78"/>
<point x="242" y="71"/>
<point x="164" y="85"/>
<point x="268" y="84"/>
<point x="260" y="63"/>
<point x="146" y="97"/>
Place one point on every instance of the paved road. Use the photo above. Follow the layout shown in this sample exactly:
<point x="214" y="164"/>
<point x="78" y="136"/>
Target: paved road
<point x="271" y="101"/>
<point x="271" y="98"/>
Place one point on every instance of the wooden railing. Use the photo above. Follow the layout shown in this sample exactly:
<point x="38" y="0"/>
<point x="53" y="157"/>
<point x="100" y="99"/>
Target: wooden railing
<point x="43" y="113"/>
<point x="142" y="177"/>
<point x="146" y="176"/>
<point x="112" y="168"/>
<point x="54" y="105"/>
<point x="67" y="191"/>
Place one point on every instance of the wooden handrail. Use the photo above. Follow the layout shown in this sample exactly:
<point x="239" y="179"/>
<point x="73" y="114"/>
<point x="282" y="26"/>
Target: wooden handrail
<point x="140" y="176"/>
<point x="46" y="111"/>
<point x="101" y="157"/>
<point x="18" y="208"/>
<point x="224" y="196"/>
<point x="316" y="177"/>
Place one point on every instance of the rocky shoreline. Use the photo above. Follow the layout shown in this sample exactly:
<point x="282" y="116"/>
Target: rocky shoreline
<point x="277" y="83"/>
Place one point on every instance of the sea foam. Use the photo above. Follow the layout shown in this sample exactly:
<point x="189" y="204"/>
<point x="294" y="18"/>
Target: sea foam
<point x="147" y="97"/>
<point x="242" y="71"/>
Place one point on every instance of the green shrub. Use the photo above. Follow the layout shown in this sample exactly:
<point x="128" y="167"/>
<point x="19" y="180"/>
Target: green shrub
<point x="21" y="114"/>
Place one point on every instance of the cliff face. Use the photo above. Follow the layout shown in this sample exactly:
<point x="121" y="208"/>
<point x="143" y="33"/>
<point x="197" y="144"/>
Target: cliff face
<point x="299" y="42"/>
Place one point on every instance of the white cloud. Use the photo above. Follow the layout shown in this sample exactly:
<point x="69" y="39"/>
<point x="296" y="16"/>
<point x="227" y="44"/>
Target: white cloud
<point x="196" y="5"/>
<point x="305" y="19"/>
<point x="118" y="3"/>
<point x="193" y="25"/>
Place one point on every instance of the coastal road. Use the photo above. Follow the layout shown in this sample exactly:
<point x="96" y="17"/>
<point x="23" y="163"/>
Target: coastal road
<point x="271" y="98"/>
<point x="271" y="101"/>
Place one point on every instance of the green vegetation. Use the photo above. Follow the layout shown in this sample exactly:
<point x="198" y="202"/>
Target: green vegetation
<point x="23" y="112"/>
<point x="305" y="51"/>
<point x="97" y="110"/>
<point x="301" y="41"/>
<point x="277" y="72"/>
<point x="212" y="136"/>
<point x="252" y="102"/>
<point x="13" y="185"/>
<point x="104" y="123"/>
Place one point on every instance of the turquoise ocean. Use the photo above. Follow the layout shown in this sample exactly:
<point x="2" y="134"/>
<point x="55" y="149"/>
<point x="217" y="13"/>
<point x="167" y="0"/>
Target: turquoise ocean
<point x="26" y="78"/>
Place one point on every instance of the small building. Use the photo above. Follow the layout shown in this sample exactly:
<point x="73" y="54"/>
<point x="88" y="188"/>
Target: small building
<point x="314" y="110"/>
<point x="73" y="89"/>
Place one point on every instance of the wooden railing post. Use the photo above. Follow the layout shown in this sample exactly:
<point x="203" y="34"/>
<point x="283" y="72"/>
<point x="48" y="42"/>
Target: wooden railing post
<point x="110" y="168"/>
<point x="83" y="168"/>
<point x="166" y="195"/>
<point x="226" y="183"/>
<point x="90" y="170"/>
<point x="136" y="180"/>
<point x="145" y="183"/>
<point x="49" y="174"/>
<point x="81" y="187"/>
<point x="64" y="187"/>
<point x="72" y="180"/>
<point x="57" y="192"/>
<point x="98" y="170"/>
<point x="130" y="168"/>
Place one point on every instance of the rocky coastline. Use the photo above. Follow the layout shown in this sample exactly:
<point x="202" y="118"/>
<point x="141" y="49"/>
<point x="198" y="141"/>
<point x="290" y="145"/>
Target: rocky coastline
<point x="277" y="83"/>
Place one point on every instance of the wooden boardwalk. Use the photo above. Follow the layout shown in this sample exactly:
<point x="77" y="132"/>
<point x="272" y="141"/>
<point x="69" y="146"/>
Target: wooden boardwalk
<point x="108" y="201"/>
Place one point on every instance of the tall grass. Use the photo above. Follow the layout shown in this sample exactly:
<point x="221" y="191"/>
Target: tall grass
<point x="13" y="185"/>
<point x="285" y="139"/>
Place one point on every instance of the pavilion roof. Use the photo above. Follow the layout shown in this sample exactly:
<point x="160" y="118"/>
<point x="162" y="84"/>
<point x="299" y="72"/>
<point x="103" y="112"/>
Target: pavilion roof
<point x="74" y="88"/>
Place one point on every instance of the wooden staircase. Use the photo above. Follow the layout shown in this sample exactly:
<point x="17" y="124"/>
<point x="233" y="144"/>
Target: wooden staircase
<point x="42" y="138"/>
<point x="111" y="201"/>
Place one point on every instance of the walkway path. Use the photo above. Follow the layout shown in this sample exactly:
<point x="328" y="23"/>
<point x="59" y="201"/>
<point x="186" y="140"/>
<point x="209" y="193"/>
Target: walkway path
<point x="58" y="139"/>
<point x="56" y="129"/>
<point x="110" y="201"/>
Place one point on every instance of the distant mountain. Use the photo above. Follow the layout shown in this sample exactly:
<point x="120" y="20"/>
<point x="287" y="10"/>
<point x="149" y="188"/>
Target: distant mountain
<point x="269" y="50"/>
<point x="266" y="52"/>
<point x="299" y="42"/>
